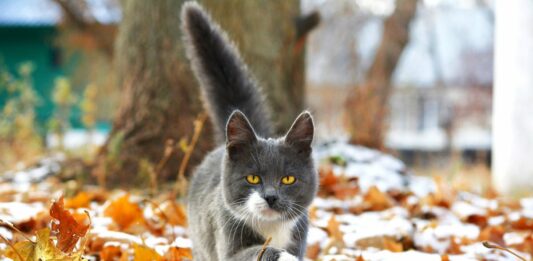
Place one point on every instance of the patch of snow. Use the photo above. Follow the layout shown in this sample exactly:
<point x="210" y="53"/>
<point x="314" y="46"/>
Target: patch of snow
<point x="77" y="138"/>
<point x="316" y="235"/>
<point x="17" y="212"/>
<point x="464" y="209"/>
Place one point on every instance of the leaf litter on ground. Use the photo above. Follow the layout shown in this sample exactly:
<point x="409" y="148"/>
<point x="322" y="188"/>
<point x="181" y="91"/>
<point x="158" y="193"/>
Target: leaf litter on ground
<point x="368" y="208"/>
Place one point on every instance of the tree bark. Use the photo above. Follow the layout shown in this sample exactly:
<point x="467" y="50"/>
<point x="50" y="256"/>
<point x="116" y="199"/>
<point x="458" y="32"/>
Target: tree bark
<point x="159" y="98"/>
<point x="366" y="106"/>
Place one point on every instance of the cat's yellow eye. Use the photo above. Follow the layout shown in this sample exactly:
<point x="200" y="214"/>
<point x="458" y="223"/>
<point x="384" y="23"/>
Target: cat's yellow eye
<point x="288" y="180"/>
<point x="253" y="179"/>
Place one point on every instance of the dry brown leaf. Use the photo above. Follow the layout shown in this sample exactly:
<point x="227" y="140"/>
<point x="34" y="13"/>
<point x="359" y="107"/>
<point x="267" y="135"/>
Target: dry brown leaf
<point x="334" y="229"/>
<point x="173" y="212"/>
<point x="124" y="212"/>
<point x="392" y="245"/>
<point x="478" y="220"/>
<point x="377" y="200"/>
<point x="67" y="229"/>
<point x="177" y="254"/>
<point x="110" y="253"/>
<point x="492" y="234"/>
<point x="523" y="223"/>
<point x="313" y="251"/>
<point x="327" y="179"/>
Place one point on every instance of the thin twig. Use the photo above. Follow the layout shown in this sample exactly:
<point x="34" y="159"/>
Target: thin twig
<point x="180" y="180"/>
<point x="154" y="173"/>
<point x="13" y="247"/>
<point x="262" y="251"/>
<point x="83" y="240"/>
<point x="16" y="229"/>
<point x="491" y="245"/>
<point x="169" y="149"/>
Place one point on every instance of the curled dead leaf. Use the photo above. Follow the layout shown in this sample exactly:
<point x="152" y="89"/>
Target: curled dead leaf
<point x="178" y="254"/>
<point x="66" y="226"/>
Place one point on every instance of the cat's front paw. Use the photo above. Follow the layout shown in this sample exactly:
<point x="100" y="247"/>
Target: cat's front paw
<point x="284" y="256"/>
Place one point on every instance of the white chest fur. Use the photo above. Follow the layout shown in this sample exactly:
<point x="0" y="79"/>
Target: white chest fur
<point x="280" y="232"/>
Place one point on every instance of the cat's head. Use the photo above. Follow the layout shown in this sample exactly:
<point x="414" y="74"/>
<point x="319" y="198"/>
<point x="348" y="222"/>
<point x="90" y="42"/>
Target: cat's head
<point x="268" y="179"/>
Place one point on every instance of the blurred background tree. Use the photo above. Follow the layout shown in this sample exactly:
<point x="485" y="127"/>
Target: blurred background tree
<point x="367" y="104"/>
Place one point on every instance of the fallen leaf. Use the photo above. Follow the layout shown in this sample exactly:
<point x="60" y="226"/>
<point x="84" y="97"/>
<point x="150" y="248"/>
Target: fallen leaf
<point x="81" y="200"/>
<point x="141" y="253"/>
<point x="67" y="228"/>
<point x="123" y="212"/>
<point x="392" y="245"/>
<point x="313" y="251"/>
<point x="177" y="254"/>
<point x="42" y="249"/>
<point x="111" y="252"/>
<point x="492" y="234"/>
<point x="174" y="213"/>
<point x="377" y="200"/>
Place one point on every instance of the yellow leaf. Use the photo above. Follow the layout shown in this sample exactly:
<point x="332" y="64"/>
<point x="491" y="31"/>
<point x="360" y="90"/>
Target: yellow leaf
<point x="24" y="249"/>
<point x="42" y="249"/>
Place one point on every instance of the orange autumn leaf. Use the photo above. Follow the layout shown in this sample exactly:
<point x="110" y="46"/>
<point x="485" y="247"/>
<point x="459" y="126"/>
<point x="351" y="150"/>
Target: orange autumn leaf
<point x="177" y="254"/>
<point x="124" y="212"/>
<point x="444" y="258"/>
<point x="359" y="258"/>
<point x="313" y="251"/>
<point x="67" y="228"/>
<point x="334" y="229"/>
<point x="111" y="252"/>
<point x="173" y="213"/>
<point x="141" y="253"/>
<point x="327" y="178"/>
<point x="523" y="223"/>
<point x="81" y="200"/>
<point x="377" y="200"/>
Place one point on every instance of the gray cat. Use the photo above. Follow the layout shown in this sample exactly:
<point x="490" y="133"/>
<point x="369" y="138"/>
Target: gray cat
<point x="253" y="187"/>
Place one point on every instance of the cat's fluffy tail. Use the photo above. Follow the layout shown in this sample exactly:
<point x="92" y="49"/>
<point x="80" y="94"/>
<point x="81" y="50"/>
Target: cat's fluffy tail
<point x="226" y="83"/>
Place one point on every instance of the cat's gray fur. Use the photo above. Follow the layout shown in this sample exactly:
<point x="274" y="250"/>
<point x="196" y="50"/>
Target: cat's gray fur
<point x="229" y="218"/>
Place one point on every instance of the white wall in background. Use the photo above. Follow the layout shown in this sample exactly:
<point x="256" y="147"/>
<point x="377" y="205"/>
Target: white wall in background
<point x="513" y="97"/>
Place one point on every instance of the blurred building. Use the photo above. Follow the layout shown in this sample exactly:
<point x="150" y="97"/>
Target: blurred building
<point x="28" y="31"/>
<point x="442" y="95"/>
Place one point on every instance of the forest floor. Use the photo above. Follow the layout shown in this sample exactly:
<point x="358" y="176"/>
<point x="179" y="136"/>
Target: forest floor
<point x="369" y="207"/>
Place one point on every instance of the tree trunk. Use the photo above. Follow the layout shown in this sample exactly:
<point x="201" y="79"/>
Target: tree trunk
<point x="366" y="106"/>
<point x="159" y="98"/>
<point x="266" y="33"/>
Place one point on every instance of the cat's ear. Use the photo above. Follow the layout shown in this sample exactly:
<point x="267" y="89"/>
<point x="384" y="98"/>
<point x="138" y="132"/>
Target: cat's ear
<point x="239" y="134"/>
<point x="300" y="135"/>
